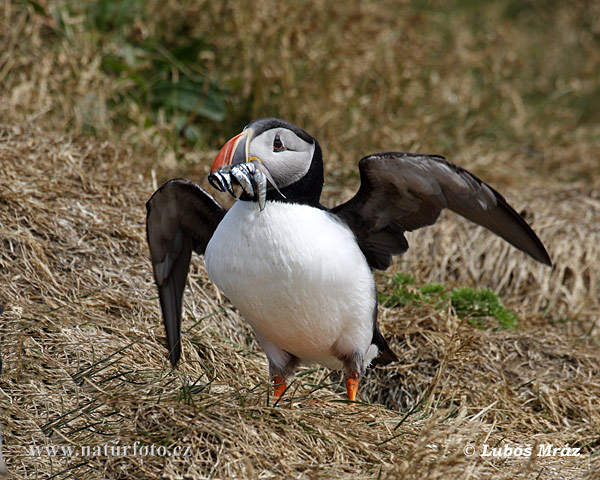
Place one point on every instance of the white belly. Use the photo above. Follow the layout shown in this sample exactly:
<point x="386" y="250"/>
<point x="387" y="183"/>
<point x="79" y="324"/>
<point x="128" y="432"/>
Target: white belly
<point x="297" y="276"/>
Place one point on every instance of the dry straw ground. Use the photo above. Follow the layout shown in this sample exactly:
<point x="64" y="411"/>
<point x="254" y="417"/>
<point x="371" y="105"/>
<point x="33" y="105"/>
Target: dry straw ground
<point x="81" y="335"/>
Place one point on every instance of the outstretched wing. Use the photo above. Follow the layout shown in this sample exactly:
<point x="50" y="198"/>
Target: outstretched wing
<point x="401" y="192"/>
<point x="181" y="217"/>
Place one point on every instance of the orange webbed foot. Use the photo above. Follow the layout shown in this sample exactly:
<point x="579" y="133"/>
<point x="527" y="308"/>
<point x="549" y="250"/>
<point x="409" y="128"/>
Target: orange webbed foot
<point x="280" y="386"/>
<point x="352" y="386"/>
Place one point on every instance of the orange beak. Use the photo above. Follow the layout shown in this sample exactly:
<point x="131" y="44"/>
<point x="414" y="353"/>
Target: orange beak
<point x="235" y="151"/>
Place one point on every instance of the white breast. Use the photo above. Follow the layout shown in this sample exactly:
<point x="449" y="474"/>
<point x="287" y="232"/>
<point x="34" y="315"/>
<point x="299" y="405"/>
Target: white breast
<point x="297" y="276"/>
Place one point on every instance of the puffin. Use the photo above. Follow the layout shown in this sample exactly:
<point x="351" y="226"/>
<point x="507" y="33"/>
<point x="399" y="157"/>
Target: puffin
<point x="299" y="273"/>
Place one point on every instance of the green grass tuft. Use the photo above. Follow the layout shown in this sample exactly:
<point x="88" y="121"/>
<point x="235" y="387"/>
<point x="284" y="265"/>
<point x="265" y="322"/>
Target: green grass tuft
<point x="478" y="306"/>
<point x="402" y="294"/>
<point x="431" y="288"/>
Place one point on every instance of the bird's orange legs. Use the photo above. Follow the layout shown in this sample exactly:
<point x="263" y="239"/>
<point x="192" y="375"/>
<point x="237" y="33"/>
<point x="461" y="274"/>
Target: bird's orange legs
<point x="280" y="386"/>
<point x="352" y="386"/>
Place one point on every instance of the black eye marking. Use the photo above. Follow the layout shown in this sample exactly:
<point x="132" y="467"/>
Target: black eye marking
<point x="278" y="144"/>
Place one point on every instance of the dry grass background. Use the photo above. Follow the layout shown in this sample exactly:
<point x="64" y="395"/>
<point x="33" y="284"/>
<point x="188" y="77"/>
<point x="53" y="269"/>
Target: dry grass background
<point x="81" y="335"/>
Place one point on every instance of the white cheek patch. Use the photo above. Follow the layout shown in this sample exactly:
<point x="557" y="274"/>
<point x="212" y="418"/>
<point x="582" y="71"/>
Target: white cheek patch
<point x="289" y="165"/>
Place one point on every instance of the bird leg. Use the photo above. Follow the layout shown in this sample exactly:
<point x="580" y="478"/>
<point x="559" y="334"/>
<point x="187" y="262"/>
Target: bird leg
<point x="281" y="365"/>
<point x="353" y="364"/>
<point x="352" y="386"/>
<point x="280" y="386"/>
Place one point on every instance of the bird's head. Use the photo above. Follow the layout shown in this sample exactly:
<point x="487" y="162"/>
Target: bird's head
<point x="290" y="158"/>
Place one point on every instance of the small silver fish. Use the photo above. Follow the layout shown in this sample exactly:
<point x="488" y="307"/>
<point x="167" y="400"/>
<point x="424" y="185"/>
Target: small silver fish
<point x="261" y="185"/>
<point x="244" y="179"/>
<point x="262" y="176"/>
<point x="252" y="178"/>
<point x="216" y="180"/>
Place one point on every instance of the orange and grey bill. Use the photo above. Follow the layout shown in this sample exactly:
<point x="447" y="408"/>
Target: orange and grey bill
<point x="225" y="156"/>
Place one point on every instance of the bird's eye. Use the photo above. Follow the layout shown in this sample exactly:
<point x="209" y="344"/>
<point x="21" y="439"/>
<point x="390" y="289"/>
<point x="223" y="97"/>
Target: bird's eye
<point x="278" y="144"/>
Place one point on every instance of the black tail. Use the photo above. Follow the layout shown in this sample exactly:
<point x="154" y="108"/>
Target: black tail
<point x="385" y="354"/>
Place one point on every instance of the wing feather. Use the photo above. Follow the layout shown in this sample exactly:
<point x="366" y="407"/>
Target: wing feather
<point x="181" y="217"/>
<point x="401" y="192"/>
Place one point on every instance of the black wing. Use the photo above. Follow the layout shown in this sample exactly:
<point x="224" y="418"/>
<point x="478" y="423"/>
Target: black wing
<point x="401" y="192"/>
<point x="181" y="217"/>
